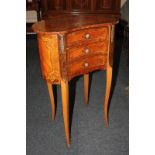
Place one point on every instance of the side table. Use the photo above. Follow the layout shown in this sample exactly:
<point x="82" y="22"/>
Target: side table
<point x="73" y="45"/>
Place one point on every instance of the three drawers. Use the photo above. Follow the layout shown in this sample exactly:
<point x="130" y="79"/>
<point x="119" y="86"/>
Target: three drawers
<point x="87" y="50"/>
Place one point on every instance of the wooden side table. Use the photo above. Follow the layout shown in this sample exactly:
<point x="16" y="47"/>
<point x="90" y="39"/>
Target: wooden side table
<point x="72" y="45"/>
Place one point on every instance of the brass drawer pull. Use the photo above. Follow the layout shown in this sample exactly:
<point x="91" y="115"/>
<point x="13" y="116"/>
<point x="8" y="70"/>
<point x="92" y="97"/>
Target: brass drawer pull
<point x="87" y="36"/>
<point x="86" y="64"/>
<point x="86" y="50"/>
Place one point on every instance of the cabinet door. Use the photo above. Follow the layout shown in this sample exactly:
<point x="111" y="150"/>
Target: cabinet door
<point x="81" y="5"/>
<point x="108" y="5"/>
<point x="105" y="4"/>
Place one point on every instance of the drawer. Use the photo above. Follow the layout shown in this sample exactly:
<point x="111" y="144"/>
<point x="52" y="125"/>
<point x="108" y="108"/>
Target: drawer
<point x="86" y="35"/>
<point x="85" y="65"/>
<point x="87" y="49"/>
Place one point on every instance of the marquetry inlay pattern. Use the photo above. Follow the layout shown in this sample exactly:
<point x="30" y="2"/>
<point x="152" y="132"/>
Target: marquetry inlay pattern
<point x="48" y="57"/>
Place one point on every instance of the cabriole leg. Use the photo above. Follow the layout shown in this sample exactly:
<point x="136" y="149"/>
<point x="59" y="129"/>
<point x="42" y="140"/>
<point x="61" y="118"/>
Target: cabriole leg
<point x="65" y="108"/>
<point x="107" y="93"/>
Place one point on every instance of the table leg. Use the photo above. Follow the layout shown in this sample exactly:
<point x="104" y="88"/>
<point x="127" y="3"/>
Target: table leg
<point x="65" y="108"/>
<point x="107" y="93"/>
<point x="50" y="90"/>
<point x="86" y="88"/>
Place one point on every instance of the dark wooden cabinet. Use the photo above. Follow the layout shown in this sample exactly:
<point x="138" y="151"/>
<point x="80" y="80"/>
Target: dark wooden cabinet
<point x="51" y="7"/>
<point x="55" y="5"/>
<point x="105" y="4"/>
<point x="32" y="5"/>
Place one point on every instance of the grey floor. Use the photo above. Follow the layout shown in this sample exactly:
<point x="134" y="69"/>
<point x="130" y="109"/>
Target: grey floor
<point x="89" y="136"/>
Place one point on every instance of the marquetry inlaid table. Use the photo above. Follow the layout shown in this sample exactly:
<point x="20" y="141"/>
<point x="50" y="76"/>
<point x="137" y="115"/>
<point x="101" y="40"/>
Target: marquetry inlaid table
<point x="73" y="45"/>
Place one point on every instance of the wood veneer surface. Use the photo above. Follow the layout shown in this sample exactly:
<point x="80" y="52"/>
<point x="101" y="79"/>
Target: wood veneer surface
<point x="64" y="23"/>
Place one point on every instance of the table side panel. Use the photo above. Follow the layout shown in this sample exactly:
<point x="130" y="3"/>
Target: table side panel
<point x="49" y="57"/>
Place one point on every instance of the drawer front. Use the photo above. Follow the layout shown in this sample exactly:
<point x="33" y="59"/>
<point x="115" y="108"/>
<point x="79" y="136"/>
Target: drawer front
<point x="86" y="35"/>
<point x="87" y="49"/>
<point x="85" y="65"/>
